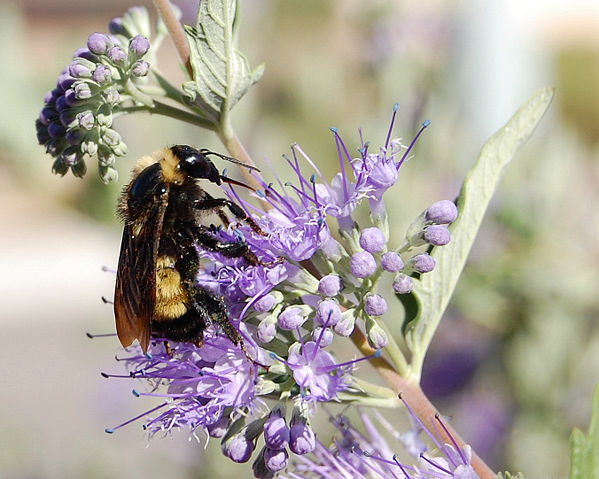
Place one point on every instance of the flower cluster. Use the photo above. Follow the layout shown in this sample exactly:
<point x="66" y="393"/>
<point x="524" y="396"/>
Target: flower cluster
<point x="103" y="79"/>
<point x="308" y="289"/>
<point x="372" y="456"/>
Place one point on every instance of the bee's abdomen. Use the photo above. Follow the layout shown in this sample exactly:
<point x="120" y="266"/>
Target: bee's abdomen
<point x="172" y="300"/>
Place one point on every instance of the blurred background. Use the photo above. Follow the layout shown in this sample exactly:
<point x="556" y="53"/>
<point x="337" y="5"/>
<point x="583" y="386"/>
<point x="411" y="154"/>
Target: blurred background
<point x="517" y="356"/>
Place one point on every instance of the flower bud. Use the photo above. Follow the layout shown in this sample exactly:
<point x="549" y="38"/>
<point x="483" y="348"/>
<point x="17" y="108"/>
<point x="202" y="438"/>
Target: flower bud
<point x="324" y="335"/>
<point x="139" y="46"/>
<point x="275" y="459"/>
<point x="403" y="284"/>
<point x="98" y="43"/>
<point x="102" y="74"/>
<point x="362" y="264"/>
<point x="442" y="212"/>
<point x="437" y="235"/>
<point x="328" y="313"/>
<point x="422" y="263"/>
<point x="219" y="428"/>
<point x="347" y="324"/>
<point x="392" y="262"/>
<point x="140" y="68"/>
<point x="291" y="318"/>
<point x="265" y="303"/>
<point x="81" y="68"/>
<point x="86" y="120"/>
<point x="276" y="431"/>
<point x="259" y="468"/>
<point x="301" y="439"/>
<point x="82" y="91"/>
<point x="238" y="448"/>
<point x="117" y="55"/>
<point x="330" y="285"/>
<point x="267" y="330"/>
<point x="372" y="240"/>
<point x="375" y="305"/>
<point x="377" y="338"/>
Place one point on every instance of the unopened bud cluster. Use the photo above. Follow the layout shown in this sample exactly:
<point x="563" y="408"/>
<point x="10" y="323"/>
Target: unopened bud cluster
<point x="77" y="118"/>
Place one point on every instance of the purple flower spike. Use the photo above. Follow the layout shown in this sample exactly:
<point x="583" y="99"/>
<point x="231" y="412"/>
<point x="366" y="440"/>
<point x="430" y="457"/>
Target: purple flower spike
<point x="403" y="284"/>
<point x="328" y="313"/>
<point x="375" y="305"/>
<point x="98" y="43"/>
<point x="238" y="448"/>
<point x="276" y="431"/>
<point x="291" y="318"/>
<point x="139" y="46"/>
<point x="362" y="264"/>
<point x="301" y="439"/>
<point x="442" y="212"/>
<point x="330" y="285"/>
<point x="392" y="262"/>
<point x="372" y="240"/>
<point x="437" y="235"/>
<point x="275" y="459"/>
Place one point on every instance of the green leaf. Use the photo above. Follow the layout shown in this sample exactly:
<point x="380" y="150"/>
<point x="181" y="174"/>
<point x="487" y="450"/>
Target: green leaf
<point x="433" y="291"/>
<point x="584" y="450"/>
<point x="221" y="74"/>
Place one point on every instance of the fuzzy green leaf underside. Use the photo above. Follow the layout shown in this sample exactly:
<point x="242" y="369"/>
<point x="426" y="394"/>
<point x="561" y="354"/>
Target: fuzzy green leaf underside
<point x="434" y="290"/>
<point x="221" y="73"/>
<point x="584" y="450"/>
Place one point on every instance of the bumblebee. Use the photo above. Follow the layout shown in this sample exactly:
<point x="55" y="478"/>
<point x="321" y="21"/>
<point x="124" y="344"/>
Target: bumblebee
<point x="162" y="209"/>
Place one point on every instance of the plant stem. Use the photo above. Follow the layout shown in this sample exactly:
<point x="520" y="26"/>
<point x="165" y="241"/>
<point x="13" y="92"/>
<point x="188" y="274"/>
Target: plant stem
<point x="417" y="400"/>
<point x="237" y="150"/>
<point x="176" y="31"/>
<point x="160" y="108"/>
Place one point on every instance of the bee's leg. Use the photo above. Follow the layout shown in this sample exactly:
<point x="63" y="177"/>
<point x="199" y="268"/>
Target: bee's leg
<point x="215" y="310"/>
<point x="210" y="203"/>
<point x="230" y="249"/>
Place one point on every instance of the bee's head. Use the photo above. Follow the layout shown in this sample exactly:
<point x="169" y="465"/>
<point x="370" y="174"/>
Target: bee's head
<point x="196" y="164"/>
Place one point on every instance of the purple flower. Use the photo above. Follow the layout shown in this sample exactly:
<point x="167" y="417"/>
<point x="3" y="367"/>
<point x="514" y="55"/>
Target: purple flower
<point x="202" y="382"/>
<point x="370" y="455"/>
<point x="316" y="372"/>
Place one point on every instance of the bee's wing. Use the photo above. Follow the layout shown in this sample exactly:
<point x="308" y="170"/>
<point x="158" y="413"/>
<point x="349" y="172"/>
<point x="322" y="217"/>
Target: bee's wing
<point x="135" y="292"/>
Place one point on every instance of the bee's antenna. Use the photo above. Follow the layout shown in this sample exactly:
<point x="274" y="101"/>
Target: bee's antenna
<point x="205" y="151"/>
